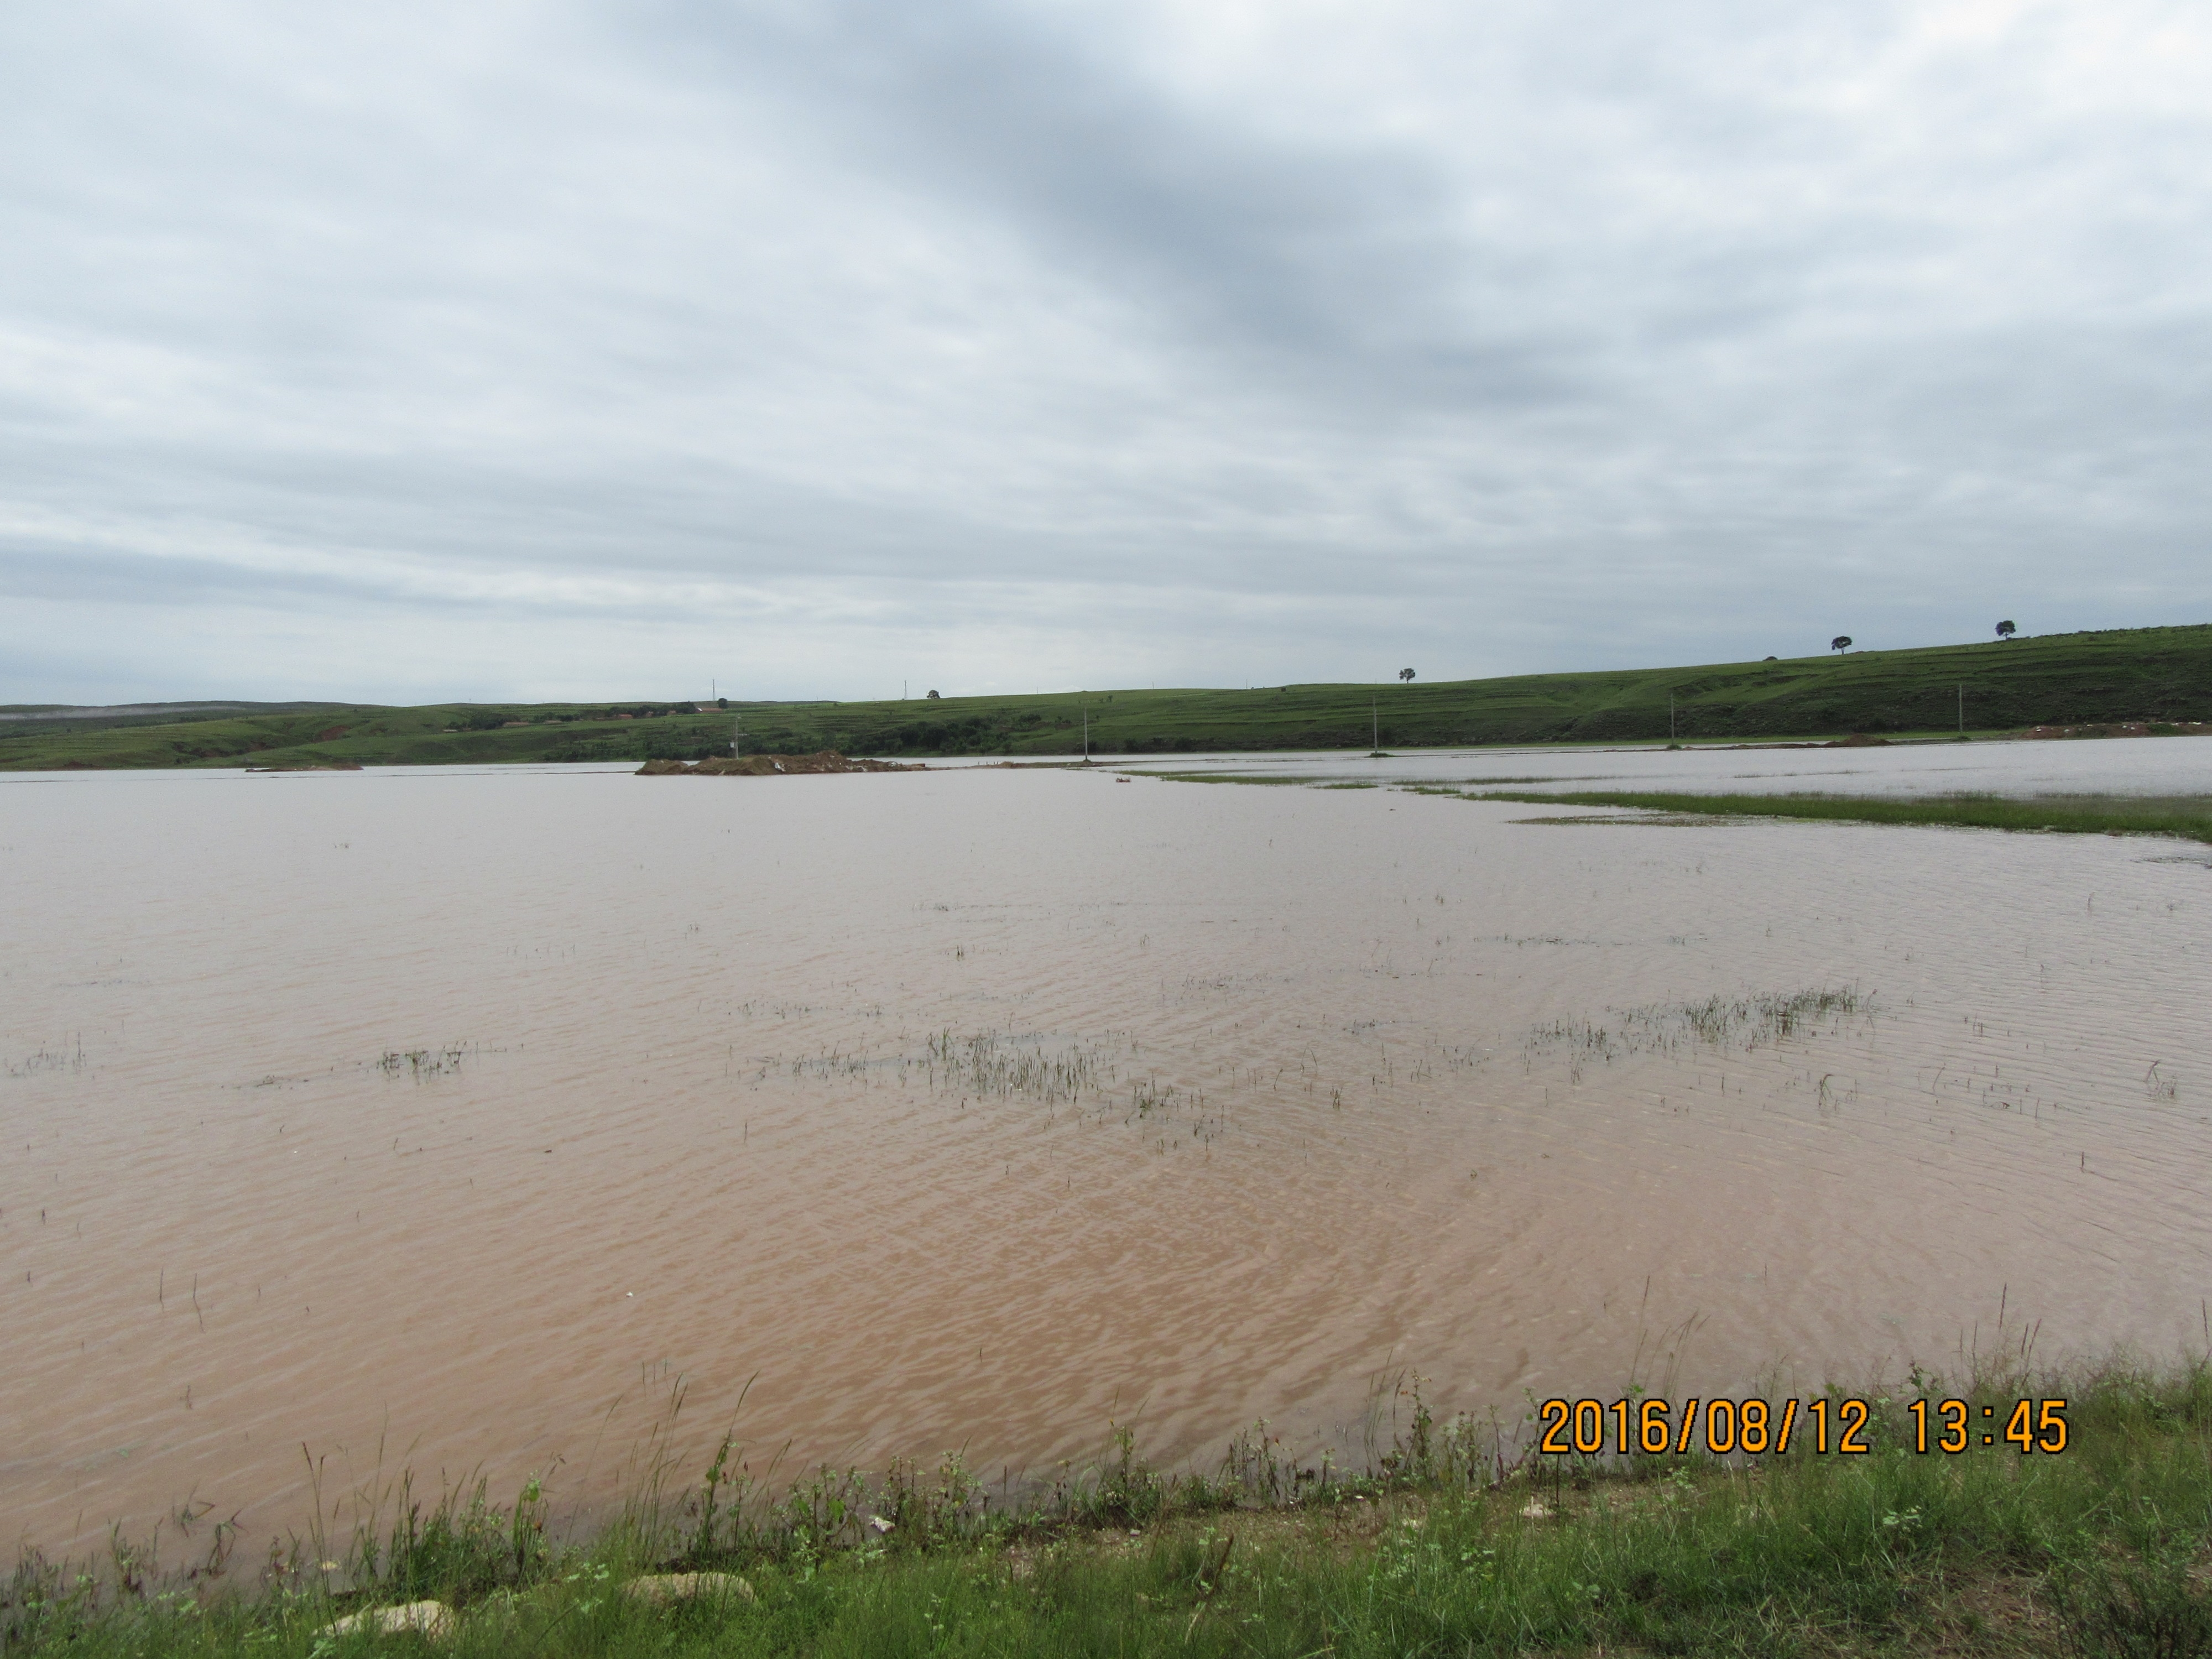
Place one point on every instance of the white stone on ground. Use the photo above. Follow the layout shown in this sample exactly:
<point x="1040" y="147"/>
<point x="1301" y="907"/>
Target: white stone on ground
<point x="662" y="1588"/>
<point x="432" y="1618"/>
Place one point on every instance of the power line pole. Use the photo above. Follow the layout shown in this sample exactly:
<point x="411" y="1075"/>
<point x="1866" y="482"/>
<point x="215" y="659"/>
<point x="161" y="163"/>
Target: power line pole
<point x="1670" y="717"/>
<point x="737" y="733"/>
<point x="1086" y="734"/>
<point x="1374" y="707"/>
<point x="1962" y="709"/>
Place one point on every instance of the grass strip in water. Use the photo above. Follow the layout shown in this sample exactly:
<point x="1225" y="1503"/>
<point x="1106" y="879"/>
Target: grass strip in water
<point x="2098" y="1550"/>
<point x="2189" y="817"/>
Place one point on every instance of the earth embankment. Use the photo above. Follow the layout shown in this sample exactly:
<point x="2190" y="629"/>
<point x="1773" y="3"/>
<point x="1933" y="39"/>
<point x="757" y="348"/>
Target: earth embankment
<point x="766" y="766"/>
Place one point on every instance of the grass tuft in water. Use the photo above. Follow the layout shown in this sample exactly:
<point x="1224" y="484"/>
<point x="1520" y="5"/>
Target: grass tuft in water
<point x="986" y="1063"/>
<point x="1745" y="1022"/>
<point x="419" y="1063"/>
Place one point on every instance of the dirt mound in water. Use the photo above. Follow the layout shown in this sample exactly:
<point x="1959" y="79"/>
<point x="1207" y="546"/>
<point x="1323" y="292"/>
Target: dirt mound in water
<point x="767" y="766"/>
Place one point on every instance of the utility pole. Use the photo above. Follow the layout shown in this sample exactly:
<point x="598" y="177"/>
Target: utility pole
<point x="737" y="733"/>
<point x="1962" y="709"/>
<point x="1670" y="717"/>
<point x="1374" y="707"/>
<point x="1086" y="734"/>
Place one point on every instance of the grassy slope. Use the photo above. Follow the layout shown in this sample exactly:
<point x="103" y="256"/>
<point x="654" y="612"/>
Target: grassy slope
<point x="2097" y="1550"/>
<point x="2156" y="673"/>
<point x="53" y="719"/>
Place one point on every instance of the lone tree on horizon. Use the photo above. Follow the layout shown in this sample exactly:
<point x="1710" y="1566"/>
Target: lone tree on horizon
<point x="1841" y="642"/>
<point x="2006" y="630"/>
<point x="1405" y="673"/>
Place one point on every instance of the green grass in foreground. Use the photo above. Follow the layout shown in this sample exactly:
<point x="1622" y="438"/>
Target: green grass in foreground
<point x="2101" y="1550"/>
<point x="2189" y="817"/>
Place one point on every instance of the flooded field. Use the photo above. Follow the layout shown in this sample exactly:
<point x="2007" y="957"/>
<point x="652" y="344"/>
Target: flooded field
<point x="452" y="1118"/>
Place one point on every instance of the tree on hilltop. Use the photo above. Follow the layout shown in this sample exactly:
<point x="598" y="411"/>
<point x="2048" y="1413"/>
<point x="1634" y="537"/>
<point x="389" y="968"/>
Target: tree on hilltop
<point x="1405" y="673"/>
<point x="1841" y="642"/>
<point x="2006" y="630"/>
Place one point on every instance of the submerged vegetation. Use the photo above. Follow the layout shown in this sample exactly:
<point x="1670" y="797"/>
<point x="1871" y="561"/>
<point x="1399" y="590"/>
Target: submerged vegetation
<point x="1717" y="1021"/>
<point x="2145" y="674"/>
<point x="2189" y="817"/>
<point x="1458" y="1539"/>
<point x="419" y="1063"/>
<point x="987" y="1064"/>
<point x="981" y="1064"/>
<point x="1049" y="1070"/>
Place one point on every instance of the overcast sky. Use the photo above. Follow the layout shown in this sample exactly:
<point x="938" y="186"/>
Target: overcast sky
<point x="407" y="351"/>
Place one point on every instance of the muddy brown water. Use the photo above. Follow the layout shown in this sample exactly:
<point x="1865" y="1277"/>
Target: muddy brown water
<point x="449" y="1121"/>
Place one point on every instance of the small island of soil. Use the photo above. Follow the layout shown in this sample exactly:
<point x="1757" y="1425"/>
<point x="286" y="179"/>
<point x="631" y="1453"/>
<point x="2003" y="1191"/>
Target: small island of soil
<point x="767" y="766"/>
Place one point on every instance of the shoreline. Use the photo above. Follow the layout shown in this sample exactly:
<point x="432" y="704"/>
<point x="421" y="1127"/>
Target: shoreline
<point x="1445" y="1544"/>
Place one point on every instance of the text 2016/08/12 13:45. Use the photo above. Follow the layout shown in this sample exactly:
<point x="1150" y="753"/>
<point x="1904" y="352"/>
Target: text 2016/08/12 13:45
<point x="1580" y="1427"/>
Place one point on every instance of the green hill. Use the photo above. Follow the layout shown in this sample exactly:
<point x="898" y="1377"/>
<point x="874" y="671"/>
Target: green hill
<point x="2147" y="673"/>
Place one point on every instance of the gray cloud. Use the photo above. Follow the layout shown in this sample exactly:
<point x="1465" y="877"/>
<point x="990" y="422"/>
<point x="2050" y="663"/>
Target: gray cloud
<point x="1340" y="266"/>
<point x="814" y="345"/>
